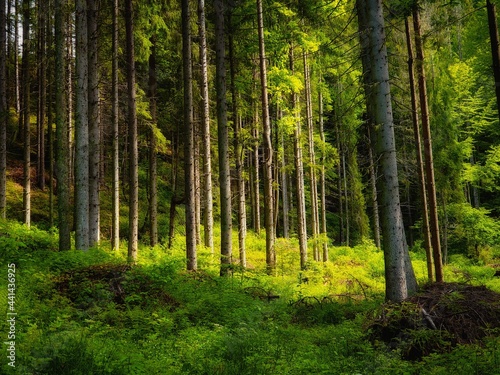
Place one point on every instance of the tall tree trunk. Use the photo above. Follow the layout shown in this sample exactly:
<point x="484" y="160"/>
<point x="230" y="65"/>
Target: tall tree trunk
<point x="418" y="147"/>
<point x="323" y="179"/>
<point x="17" y="91"/>
<point x="299" y="175"/>
<point x="284" y="189"/>
<point x="312" y="159"/>
<point x="173" y="200"/>
<point x="238" y="155"/>
<point x="132" y="137"/>
<point x="208" y="221"/>
<point x="268" y="149"/>
<point x="50" y="114"/>
<point x="115" y="231"/>
<point x="153" y="185"/>
<point x="255" y="160"/>
<point x="429" y="163"/>
<point x="197" y="178"/>
<point x="81" y="130"/>
<point x="223" y="138"/>
<point x="495" y="47"/>
<point x="26" y="113"/>
<point x="400" y="280"/>
<point x="3" y="111"/>
<point x="189" y="140"/>
<point x="373" y="183"/>
<point x="62" y="148"/>
<point x="42" y="94"/>
<point x="94" y="124"/>
<point x="69" y="90"/>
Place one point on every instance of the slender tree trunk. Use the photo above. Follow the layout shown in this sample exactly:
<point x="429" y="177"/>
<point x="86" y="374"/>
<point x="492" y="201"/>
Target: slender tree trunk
<point x="205" y="129"/>
<point x="255" y="162"/>
<point x="299" y="175"/>
<point x="3" y="111"/>
<point x="346" y="196"/>
<point x="323" y="179"/>
<point x="132" y="137"/>
<point x="50" y="114"/>
<point x="17" y="90"/>
<point x="173" y="200"/>
<point x="418" y="147"/>
<point x="312" y="160"/>
<point x="400" y="280"/>
<point x="340" y="191"/>
<point x="239" y="156"/>
<point x="62" y="173"/>
<point x="223" y="138"/>
<point x="284" y="189"/>
<point x="495" y="47"/>
<point x="373" y="183"/>
<point x="268" y="149"/>
<point x="69" y="90"/>
<point x="94" y="124"/>
<point x="42" y="94"/>
<point x="26" y="113"/>
<point x="189" y="140"/>
<point x="115" y="231"/>
<point x="81" y="130"/>
<point x="429" y="163"/>
<point x="197" y="178"/>
<point x="153" y="185"/>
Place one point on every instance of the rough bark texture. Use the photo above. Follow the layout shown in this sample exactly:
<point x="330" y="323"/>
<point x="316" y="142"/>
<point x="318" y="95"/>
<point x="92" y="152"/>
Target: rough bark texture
<point x="115" y="230"/>
<point x="132" y="137"/>
<point x="25" y="118"/>
<point x="400" y="281"/>
<point x="3" y="111"/>
<point x="189" y="140"/>
<point x="81" y="130"/>
<point x="42" y="94"/>
<point x="94" y="124"/>
<point x="495" y="47"/>
<point x="208" y="220"/>
<point x="223" y="138"/>
<point x="428" y="157"/>
<point x="153" y="173"/>
<point x="61" y="129"/>
<point x="418" y="148"/>
<point x="268" y="149"/>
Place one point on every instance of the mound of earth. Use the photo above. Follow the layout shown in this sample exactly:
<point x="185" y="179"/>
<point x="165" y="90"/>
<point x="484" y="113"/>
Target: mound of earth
<point x="436" y="319"/>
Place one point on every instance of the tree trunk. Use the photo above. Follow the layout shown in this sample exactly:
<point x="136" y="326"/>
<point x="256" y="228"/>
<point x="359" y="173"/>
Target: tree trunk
<point x="373" y="183"/>
<point x="400" y="280"/>
<point x="189" y="140"/>
<point x="81" y="130"/>
<point x="299" y="176"/>
<point x="312" y="160"/>
<point x="418" y="147"/>
<point x="115" y="231"/>
<point x="268" y="149"/>
<point x="153" y="185"/>
<point x="3" y="112"/>
<point x="495" y="47"/>
<point x="323" y="179"/>
<point x="429" y="163"/>
<point x="69" y="90"/>
<point x="26" y="113"/>
<point x="205" y="129"/>
<point x="17" y="90"/>
<point x="94" y="124"/>
<point x="255" y="161"/>
<point x="42" y="94"/>
<point x="284" y="189"/>
<point x="62" y="147"/>
<point x="132" y="137"/>
<point x="223" y="139"/>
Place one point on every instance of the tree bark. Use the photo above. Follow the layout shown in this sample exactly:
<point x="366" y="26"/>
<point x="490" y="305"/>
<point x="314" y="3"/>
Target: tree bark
<point x="115" y="231"/>
<point x="205" y="129"/>
<point x="62" y="173"/>
<point x="418" y="148"/>
<point x="26" y="114"/>
<point x="189" y="140"/>
<point x="400" y="280"/>
<point x="94" y="124"/>
<point x="373" y="183"/>
<point x="223" y="138"/>
<point x="255" y="161"/>
<point x="323" y="180"/>
<point x="132" y="137"/>
<point x="81" y="130"/>
<point x="495" y="47"/>
<point x="268" y="149"/>
<point x="153" y="168"/>
<point x="428" y="157"/>
<point x="3" y="111"/>
<point x="42" y="94"/>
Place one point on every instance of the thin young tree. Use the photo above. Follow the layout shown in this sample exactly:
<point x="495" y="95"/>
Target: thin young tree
<point x="25" y="118"/>
<point x="153" y="164"/>
<point x="268" y="148"/>
<point x="205" y="130"/>
<point x="223" y="138"/>
<point x="3" y="111"/>
<point x="81" y="130"/>
<point x="189" y="185"/>
<point x="42" y="93"/>
<point x="132" y="136"/>
<point x="115" y="231"/>
<point x="322" y="177"/>
<point x="495" y="47"/>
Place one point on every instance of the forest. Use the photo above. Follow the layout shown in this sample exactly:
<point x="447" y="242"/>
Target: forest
<point x="250" y="187"/>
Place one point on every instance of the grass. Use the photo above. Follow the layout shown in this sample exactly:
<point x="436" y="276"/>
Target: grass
<point x="89" y="313"/>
